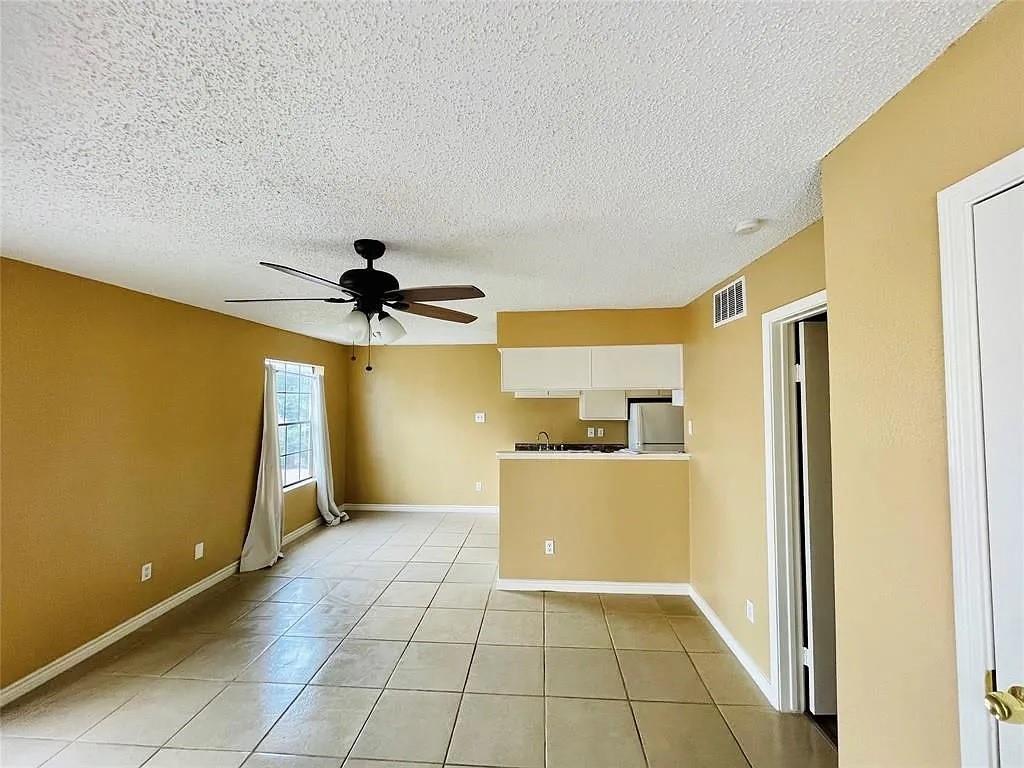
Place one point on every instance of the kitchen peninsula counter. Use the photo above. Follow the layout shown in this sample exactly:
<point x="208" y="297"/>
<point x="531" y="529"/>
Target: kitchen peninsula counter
<point x="614" y="517"/>
<point x="617" y="455"/>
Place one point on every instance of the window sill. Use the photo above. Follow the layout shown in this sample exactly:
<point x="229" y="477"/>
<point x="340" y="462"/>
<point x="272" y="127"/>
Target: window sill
<point x="300" y="484"/>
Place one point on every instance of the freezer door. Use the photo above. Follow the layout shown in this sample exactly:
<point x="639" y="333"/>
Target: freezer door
<point x="655" y="423"/>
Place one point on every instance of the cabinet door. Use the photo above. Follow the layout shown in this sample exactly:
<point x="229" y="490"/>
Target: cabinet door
<point x="548" y="368"/>
<point x="603" y="405"/>
<point x="654" y="366"/>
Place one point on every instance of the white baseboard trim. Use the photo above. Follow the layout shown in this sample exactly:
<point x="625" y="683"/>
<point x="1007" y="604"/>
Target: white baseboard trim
<point x="81" y="653"/>
<point x="608" y="587"/>
<point x="302" y="530"/>
<point x="443" y="508"/>
<point x="744" y="658"/>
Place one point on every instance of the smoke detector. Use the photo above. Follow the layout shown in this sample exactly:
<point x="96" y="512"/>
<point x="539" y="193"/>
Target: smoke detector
<point x="748" y="226"/>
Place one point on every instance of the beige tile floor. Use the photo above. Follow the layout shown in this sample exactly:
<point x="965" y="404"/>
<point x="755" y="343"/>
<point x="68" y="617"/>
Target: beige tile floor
<point x="381" y="644"/>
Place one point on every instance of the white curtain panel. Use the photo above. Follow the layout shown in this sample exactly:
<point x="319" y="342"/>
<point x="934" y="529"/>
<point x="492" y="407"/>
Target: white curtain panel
<point x="263" y="541"/>
<point x="322" y="470"/>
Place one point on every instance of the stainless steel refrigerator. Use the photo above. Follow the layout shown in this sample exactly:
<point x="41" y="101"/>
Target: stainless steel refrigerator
<point x="656" y="427"/>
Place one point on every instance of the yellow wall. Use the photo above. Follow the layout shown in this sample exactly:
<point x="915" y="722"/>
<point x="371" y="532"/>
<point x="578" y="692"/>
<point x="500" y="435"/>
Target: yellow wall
<point x="893" y="575"/>
<point x="724" y="400"/>
<point x="411" y="434"/>
<point x="611" y="519"/>
<point x="130" y="431"/>
<point x="590" y="327"/>
<point x="300" y="500"/>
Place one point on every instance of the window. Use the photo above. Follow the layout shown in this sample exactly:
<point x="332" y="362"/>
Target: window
<point x="293" y="385"/>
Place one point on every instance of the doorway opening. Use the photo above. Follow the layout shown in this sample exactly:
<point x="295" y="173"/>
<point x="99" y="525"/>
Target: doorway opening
<point x="812" y="470"/>
<point x="798" y="475"/>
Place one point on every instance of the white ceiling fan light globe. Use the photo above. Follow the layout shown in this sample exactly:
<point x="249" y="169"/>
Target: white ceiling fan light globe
<point x="355" y="328"/>
<point x="390" y="329"/>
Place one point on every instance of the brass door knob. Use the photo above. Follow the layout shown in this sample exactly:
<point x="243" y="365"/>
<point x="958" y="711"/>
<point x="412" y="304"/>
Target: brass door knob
<point x="1007" y="706"/>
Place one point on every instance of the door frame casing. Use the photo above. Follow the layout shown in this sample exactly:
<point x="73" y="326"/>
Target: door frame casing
<point x="968" y="504"/>
<point x="785" y="602"/>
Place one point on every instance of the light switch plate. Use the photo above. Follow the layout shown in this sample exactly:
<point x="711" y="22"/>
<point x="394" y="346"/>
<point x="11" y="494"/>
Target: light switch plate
<point x="689" y="427"/>
<point x="199" y="551"/>
<point x="590" y="431"/>
<point x="480" y="417"/>
<point x="600" y="431"/>
<point x="147" y="572"/>
<point x="479" y="486"/>
<point x="750" y="611"/>
<point x="549" y="546"/>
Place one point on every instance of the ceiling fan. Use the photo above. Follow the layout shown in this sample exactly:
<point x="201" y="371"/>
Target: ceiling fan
<point x="374" y="292"/>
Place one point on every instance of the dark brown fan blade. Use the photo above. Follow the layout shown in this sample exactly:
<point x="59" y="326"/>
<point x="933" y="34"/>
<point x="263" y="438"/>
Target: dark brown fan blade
<point x="306" y="276"/>
<point x="435" y="293"/>
<point x="438" y="313"/>
<point x="332" y="300"/>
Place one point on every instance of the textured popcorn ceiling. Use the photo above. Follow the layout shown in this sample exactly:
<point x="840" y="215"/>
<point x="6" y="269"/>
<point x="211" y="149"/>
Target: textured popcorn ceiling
<point x="556" y="155"/>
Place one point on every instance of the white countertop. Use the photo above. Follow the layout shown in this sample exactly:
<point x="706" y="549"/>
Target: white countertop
<point x="616" y="456"/>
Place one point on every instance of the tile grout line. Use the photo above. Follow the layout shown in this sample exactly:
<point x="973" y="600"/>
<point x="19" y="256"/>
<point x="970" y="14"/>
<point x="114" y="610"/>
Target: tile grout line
<point x="408" y="642"/>
<point x="472" y="657"/>
<point x="342" y="640"/>
<point x="302" y="690"/>
<point x="625" y="689"/>
<point x="721" y="714"/>
<point x="544" y="669"/>
<point x="384" y="687"/>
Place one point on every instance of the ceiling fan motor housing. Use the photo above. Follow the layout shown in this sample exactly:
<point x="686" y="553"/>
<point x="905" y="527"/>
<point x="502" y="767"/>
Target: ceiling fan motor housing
<point x="370" y="285"/>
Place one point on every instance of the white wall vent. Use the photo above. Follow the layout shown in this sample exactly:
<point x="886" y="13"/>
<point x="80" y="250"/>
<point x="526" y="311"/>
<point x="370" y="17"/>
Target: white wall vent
<point x="731" y="302"/>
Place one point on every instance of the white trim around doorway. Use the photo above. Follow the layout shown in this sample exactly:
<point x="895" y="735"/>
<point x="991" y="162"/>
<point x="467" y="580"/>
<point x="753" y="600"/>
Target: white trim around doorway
<point x="968" y="504"/>
<point x="784" y="597"/>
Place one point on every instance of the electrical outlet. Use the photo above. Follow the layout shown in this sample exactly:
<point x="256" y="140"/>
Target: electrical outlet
<point x="689" y="427"/>
<point x="480" y="417"/>
<point x="147" y="571"/>
<point x="590" y="431"/>
<point x="549" y="546"/>
<point x="479" y="486"/>
<point x="750" y="611"/>
<point x="600" y="431"/>
<point x="199" y="551"/>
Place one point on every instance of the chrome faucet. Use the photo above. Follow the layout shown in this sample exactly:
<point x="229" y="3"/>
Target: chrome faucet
<point x="547" y="439"/>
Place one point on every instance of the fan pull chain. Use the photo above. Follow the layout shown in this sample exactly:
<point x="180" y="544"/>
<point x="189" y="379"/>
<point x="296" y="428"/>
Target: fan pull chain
<point x="369" y="340"/>
<point x="353" y="350"/>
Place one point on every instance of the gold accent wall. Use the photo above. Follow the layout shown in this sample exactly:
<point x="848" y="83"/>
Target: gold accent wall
<point x="129" y="431"/>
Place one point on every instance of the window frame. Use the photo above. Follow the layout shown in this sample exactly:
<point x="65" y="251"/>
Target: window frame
<point x="300" y="388"/>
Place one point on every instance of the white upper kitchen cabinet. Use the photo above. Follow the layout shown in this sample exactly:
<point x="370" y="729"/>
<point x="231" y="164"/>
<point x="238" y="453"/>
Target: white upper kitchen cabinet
<point x="603" y="405"/>
<point x="545" y="368"/>
<point x="649" y="366"/>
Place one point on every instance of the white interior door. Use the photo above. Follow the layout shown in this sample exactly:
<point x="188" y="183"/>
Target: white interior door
<point x="999" y="264"/>
<point x="816" y="458"/>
